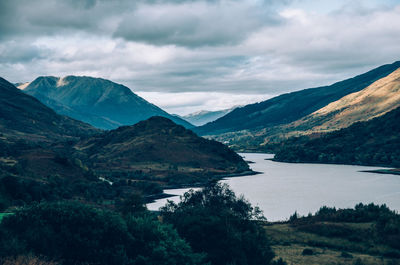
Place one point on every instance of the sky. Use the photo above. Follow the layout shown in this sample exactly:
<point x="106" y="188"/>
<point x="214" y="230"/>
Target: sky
<point x="191" y="55"/>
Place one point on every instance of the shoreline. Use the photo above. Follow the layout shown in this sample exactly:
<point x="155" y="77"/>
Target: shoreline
<point x="163" y="195"/>
<point x="393" y="171"/>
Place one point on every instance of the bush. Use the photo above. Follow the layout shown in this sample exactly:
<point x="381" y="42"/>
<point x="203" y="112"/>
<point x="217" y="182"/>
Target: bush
<point x="307" y="252"/>
<point x="216" y="222"/>
<point x="76" y="234"/>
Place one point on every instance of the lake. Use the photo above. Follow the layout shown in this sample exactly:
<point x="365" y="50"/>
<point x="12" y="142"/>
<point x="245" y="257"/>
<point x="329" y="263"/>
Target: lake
<point x="283" y="188"/>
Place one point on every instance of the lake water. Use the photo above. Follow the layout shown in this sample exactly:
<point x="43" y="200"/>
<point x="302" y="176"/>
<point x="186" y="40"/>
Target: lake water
<point x="284" y="188"/>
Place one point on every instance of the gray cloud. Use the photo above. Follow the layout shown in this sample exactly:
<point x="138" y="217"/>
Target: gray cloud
<point x="226" y="47"/>
<point x="158" y="22"/>
<point x="195" y="24"/>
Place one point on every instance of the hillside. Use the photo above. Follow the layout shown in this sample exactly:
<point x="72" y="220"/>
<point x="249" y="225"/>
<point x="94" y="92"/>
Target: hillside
<point x="377" y="99"/>
<point x="375" y="142"/>
<point x="290" y="107"/>
<point x="34" y="143"/>
<point x="46" y="156"/>
<point x="99" y="102"/>
<point x="24" y="117"/>
<point x="202" y="117"/>
<point x="161" y="150"/>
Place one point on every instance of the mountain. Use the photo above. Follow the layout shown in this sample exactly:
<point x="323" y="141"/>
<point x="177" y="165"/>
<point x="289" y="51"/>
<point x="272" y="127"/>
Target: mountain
<point x="375" y="143"/>
<point x="290" y="107"/>
<point x="99" y="102"/>
<point x="24" y="117"/>
<point x="204" y="116"/>
<point x="160" y="149"/>
<point x="34" y="141"/>
<point x="47" y="156"/>
<point x="377" y="99"/>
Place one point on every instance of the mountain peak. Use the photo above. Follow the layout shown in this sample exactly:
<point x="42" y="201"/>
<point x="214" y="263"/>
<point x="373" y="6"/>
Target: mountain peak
<point x="97" y="101"/>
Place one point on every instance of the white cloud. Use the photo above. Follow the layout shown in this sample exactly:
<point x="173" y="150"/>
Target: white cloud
<point x="188" y="102"/>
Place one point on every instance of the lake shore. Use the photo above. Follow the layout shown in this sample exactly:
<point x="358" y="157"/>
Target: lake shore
<point x="284" y="188"/>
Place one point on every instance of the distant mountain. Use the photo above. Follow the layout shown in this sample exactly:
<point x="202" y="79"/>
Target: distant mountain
<point x="375" y="142"/>
<point x="99" y="102"/>
<point x="24" y="117"/>
<point x="290" y="107"/>
<point x="202" y="117"/>
<point x="162" y="149"/>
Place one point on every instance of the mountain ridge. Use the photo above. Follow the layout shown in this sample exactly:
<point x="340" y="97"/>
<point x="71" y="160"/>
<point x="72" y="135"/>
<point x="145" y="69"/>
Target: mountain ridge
<point x="377" y="99"/>
<point x="292" y="106"/>
<point x="202" y="117"/>
<point x="23" y="116"/>
<point x="98" y="101"/>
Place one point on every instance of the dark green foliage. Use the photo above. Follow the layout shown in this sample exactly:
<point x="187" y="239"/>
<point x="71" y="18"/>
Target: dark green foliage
<point x="75" y="234"/>
<point x="16" y="191"/>
<point x="307" y="252"/>
<point x="132" y="205"/>
<point x="157" y="243"/>
<point x="385" y="228"/>
<point x="375" y="142"/>
<point x="292" y="106"/>
<point x="214" y="221"/>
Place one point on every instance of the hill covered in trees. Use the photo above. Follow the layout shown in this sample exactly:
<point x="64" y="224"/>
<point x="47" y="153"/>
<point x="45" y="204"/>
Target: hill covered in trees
<point x="47" y="156"/>
<point x="375" y="142"/>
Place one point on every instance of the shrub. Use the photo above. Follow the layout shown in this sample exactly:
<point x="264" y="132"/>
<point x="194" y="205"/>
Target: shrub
<point x="216" y="222"/>
<point x="74" y="233"/>
<point x="307" y="252"/>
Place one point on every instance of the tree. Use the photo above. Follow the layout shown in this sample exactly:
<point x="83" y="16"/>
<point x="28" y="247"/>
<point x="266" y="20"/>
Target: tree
<point x="216" y="222"/>
<point x="73" y="233"/>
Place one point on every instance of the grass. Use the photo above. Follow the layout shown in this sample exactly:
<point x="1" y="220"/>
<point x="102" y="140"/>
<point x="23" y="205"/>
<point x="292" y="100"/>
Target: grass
<point x="288" y="243"/>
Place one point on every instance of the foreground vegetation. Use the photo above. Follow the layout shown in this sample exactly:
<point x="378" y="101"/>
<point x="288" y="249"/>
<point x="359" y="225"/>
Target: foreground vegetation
<point x="75" y="233"/>
<point x="367" y="234"/>
<point x="210" y="226"/>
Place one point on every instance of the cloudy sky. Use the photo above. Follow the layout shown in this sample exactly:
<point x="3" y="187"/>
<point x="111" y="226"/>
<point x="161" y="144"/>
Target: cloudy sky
<point x="189" y="55"/>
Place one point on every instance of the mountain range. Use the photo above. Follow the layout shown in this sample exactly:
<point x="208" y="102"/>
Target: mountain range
<point x="317" y="110"/>
<point x="205" y="116"/>
<point x="99" y="102"/>
<point x="293" y="106"/>
<point x="44" y="155"/>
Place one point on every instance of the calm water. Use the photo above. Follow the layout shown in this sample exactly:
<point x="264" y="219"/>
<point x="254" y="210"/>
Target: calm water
<point x="284" y="188"/>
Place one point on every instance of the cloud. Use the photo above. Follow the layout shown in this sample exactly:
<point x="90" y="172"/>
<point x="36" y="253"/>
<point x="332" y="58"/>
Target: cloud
<point x="189" y="102"/>
<point x="187" y="23"/>
<point x="216" y="48"/>
<point x="194" y="23"/>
